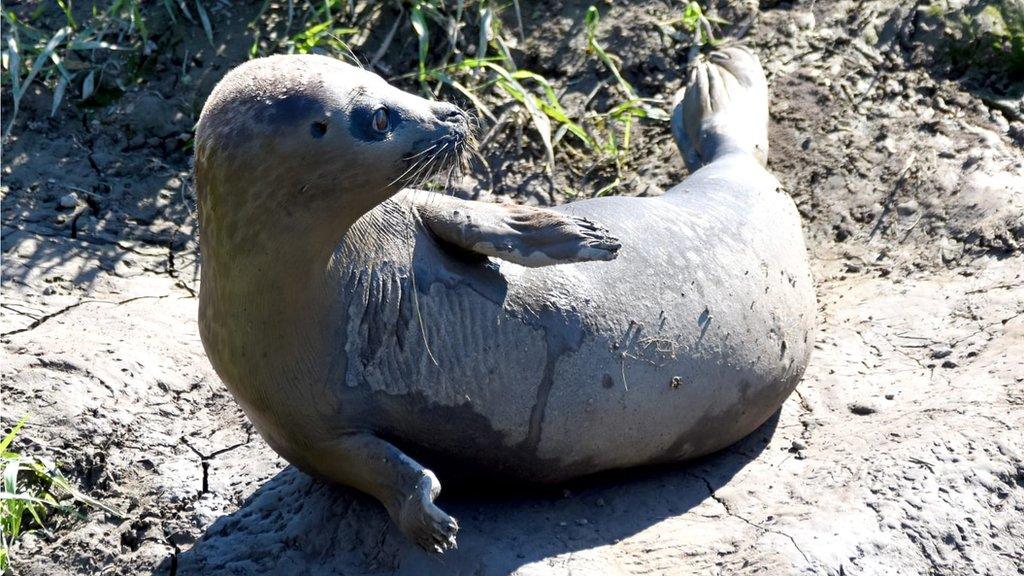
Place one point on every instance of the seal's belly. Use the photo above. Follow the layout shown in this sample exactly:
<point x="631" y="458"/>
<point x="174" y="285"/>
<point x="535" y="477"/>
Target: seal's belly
<point x="684" y="344"/>
<point x="697" y="341"/>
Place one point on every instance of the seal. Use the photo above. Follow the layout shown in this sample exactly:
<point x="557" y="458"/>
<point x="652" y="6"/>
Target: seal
<point x="367" y="328"/>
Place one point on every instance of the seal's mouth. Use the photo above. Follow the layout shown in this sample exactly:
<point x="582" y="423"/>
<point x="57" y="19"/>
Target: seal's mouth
<point x="445" y="156"/>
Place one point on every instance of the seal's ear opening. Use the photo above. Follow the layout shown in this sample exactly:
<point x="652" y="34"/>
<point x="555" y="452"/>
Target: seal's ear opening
<point x="318" y="128"/>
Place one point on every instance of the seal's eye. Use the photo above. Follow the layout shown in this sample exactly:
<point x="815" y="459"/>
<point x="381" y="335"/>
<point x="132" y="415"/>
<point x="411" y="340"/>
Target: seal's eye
<point x="318" y="129"/>
<point x="380" y="119"/>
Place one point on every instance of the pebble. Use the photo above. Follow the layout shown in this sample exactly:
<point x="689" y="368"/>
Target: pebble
<point x="862" y="409"/>
<point x="804" y="20"/>
<point x="29" y="541"/>
<point x="69" y="200"/>
<point x="941" y="352"/>
<point x="907" y="208"/>
<point x="1001" y="121"/>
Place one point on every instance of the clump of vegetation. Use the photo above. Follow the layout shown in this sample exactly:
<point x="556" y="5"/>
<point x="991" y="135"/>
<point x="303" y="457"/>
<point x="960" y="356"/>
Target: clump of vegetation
<point x="464" y="49"/>
<point x="467" y="49"/>
<point x="96" y="57"/>
<point x="985" y="36"/>
<point x="33" y="491"/>
<point x="693" y="25"/>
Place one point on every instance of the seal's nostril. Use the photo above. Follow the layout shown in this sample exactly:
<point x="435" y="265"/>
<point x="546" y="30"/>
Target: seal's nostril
<point x="453" y="115"/>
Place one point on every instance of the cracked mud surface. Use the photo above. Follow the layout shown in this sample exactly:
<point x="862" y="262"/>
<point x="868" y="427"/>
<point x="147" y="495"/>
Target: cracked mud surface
<point x="900" y="453"/>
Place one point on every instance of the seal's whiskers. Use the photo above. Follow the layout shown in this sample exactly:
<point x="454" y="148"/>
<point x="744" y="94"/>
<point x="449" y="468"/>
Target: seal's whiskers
<point x="445" y="153"/>
<point x="414" y="166"/>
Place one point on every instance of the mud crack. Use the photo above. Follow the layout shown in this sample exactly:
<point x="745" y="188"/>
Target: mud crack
<point x="728" y="510"/>
<point x="204" y="459"/>
<point x="47" y="317"/>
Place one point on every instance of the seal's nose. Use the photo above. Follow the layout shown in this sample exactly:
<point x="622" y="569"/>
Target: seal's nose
<point x="449" y="112"/>
<point x="453" y="116"/>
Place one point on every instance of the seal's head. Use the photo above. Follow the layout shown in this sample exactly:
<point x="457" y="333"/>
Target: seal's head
<point x="306" y="139"/>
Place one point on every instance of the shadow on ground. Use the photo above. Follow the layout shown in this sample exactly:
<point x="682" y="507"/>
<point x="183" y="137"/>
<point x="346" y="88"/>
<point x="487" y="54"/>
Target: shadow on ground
<point x="294" y="524"/>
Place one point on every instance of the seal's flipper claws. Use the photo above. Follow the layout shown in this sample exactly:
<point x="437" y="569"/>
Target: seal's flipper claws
<point x="742" y="64"/>
<point x="718" y="91"/>
<point x="702" y="86"/>
<point x="521" y="234"/>
<point x="406" y="488"/>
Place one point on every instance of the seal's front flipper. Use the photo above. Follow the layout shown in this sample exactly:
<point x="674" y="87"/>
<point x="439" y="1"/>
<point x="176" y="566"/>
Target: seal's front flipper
<point x="403" y="486"/>
<point x="521" y="234"/>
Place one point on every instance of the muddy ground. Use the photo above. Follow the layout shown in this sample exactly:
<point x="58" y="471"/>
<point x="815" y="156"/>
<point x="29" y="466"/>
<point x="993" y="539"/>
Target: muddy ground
<point x="900" y="453"/>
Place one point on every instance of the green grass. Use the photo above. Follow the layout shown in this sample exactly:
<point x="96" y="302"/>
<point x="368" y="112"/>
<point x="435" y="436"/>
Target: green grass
<point x="32" y="492"/>
<point x="984" y="38"/>
<point x="73" y="60"/>
<point x="693" y="21"/>
<point x="491" y="79"/>
<point x="463" y="49"/>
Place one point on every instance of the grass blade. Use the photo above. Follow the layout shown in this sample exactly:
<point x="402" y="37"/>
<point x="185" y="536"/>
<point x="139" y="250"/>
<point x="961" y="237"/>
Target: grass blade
<point x="23" y="498"/>
<point x="552" y="107"/>
<point x="185" y="11"/>
<point x="419" y="24"/>
<point x="58" y="94"/>
<point x="10" y="480"/>
<point x="57" y="478"/>
<point x="477" y="102"/>
<point x="205" y="19"/>
<point x="591" y="20"/>
<point x="540" y="120"/>
<point x="57" y="38"/>
<point x="10" y="435"/>
<point x="14" y="63"/>
<point x="88" y="85"/>
<point x="486" y="21"/>
<point x="65" y="7"/>
<point x="170" y="11"/>
<point x="34" y="511"/>
<point x="93" y="45"/>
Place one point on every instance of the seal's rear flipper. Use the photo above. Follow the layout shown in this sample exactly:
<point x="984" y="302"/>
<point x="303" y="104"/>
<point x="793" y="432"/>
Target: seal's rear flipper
<point x="723" y="108"/>
<point x="521" y="234"/>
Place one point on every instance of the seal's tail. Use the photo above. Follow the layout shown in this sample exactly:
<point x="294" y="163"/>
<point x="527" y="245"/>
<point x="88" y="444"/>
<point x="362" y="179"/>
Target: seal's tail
<point x="723" y="108"/>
